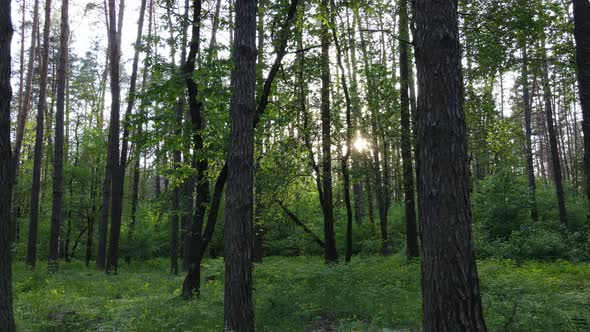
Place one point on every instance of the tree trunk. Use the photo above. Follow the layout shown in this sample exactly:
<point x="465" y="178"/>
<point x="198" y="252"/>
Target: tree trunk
<point x="192" y="282"/>
<point x="330" y="253"/>
<point x="450" y="284"/>
<point x="582" y="36"/>
<point x="376" y="162"/>
<point x="7" y="172"/>
<point x="528" y="133"/>
<point x="138" y="148"/>
<point x="42" y="109"/>
<point x="24" y="111"/>
<point x="238" y="304"/>
<point x="555" y="160"/>
<point x="119" y="170"/>
<point x="56" y="211"/>
<point x="344" y="162"/>
<point x="113" y="145"/>
<point x="406" y="136"/>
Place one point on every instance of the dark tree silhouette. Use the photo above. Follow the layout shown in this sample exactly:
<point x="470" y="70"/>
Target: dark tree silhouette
<point x="6" y="171"/>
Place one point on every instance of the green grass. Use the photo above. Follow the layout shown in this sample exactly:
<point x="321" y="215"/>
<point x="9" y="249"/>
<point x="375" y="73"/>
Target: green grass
<point x="296" y="294"/>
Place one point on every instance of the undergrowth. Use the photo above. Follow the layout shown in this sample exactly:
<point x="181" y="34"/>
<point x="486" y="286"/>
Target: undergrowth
<point x="296" y="294"/>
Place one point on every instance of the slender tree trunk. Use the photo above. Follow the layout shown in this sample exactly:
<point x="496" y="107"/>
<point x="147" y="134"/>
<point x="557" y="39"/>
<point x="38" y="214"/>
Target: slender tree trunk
<point x="113" y="145"/>
<point x="376" y="162"/>
<point x="555" y="160"/>
<point x="21" y="83"/>
<point x="450" y="284"/>
<point x="42" y="109"/>
<point x="24" y="111"/>
<point x="56" y="211"/>
<point x="189" y="184"/>
<point x="406" y="136"/>
<point x="192" y="282"/>
<point x="112" y="151"/>
<point x="257" y="249"/>
<point x="7" y="172"/>
<point x="138" y="148"/>
<point x="346" y="156"/>
<point x="582" y="36"/>
<point x="119" y="170"/>
<point x="528" y="133"/>
<point x="330" y="253"/>
<point x="238" y="304"/>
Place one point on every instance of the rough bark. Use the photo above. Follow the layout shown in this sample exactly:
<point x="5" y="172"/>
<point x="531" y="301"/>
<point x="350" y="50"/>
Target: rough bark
<point x="528" y="133"/>
<point x="582" y="36"/>
<point x="450" y="284"/>
<point x="238" y="235"/>
<point x="555" y="160"/>
<point x="6" y="172"/>
<point x="56" y="210"/>
<point x="38" y="154"/>
<point x="406" y="135"/>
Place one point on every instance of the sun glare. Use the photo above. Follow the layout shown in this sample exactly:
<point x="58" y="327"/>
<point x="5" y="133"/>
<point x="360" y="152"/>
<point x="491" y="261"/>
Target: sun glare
<point x="360" y="143"/>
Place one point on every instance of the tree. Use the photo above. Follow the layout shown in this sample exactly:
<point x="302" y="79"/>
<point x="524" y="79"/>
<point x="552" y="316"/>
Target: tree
<point x="58" y="159"/>
<point x="348" y="120"/>
<point x="450" y="284"/>
<point x="26" y="105"/>
<point x="41" y="110"/>
<point x="6" y="171"/>
<point x="555" y="159"/>
<point x="199" y="239"/>
<point x="582" y="36"/>
<point x="330" y="253"/>
<point x="530" y="169"/>
<point x="112" y="172"/>
<point x="238" y="235"/>
<point x="406" y="134"/>
<point x="119" y="177"/>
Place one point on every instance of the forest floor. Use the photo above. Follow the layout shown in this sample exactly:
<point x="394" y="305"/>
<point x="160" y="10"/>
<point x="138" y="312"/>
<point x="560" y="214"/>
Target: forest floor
<point x="296" y="294"/>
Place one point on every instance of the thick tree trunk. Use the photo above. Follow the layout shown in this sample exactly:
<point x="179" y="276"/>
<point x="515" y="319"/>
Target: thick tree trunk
<point x="555" y="160"/>
<point x="38" y="158"/>
<point x="528" y="133"/>
<point x="238" y="236"/>
<point x="406" y="136"/>
<point x="582" y="36"/>
<point x="450" y="284"/>
<point x="330" y="253"/>
<point x="7" y="172"/>
<point x="56" y="211"/>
